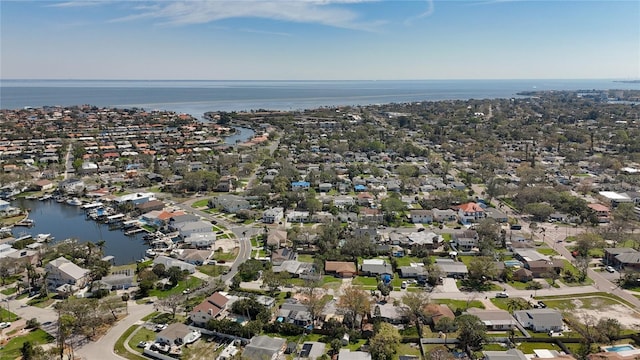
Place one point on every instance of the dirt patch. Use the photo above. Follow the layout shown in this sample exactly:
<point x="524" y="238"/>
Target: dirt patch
<point x="227" y="245"/>
<point x="627" y="317"/>
<point x="577" y="303"/>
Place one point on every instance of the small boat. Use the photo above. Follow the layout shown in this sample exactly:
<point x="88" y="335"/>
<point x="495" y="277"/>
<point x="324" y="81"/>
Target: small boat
<point x="45" y="197"/>
<point x="74" y="202"/>
<point x="31" y="197"/>
<point x="5" y="229"/>
<point x="60" y="199"/>
<point x="25" y="222"/>
<point x="44" y="237"/>
<point x="150" y="252"/>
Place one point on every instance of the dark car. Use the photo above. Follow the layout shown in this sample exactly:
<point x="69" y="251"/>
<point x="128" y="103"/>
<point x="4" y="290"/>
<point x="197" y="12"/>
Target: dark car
<point x="542" y="305"/>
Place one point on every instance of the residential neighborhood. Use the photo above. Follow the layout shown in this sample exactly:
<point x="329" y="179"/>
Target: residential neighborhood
<point x="401" y="231"/>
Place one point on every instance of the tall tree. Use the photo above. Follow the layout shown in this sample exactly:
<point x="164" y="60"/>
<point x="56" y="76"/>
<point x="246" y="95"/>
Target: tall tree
<point x="414" y="304"/>
<point x="354" y="302"/>
<point x="384" y="344"/>
<point x="471" y="332"/>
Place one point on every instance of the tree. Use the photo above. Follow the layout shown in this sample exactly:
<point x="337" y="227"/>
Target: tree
<point x="439" y="352"/>
<point x="384" y="344"/>
<point x="175" y="275"/>
<point x="587" y="241"/>
<point x="171" y="303"/>
<point x="159" y="270"/>
<point x="582" y="265"/>
<point x="272" y="281"/>
<point x="489" y="235"/>
<point x="539" y="211"/>
<point x="413" y="309"/>
<point x="354" y="302"/>
<point x="385" y="289"/>
<point x="471" y="332"/>
<point x="609" y="329"/>
<point x="481" y="269"/>
<point x="445" y="325"/>
<point x="27" y="350"/>
<point x="314" y="300"/>
<point x="336" y="345"/>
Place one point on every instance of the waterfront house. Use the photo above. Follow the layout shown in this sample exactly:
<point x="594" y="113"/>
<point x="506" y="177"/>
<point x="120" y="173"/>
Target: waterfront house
<point x="200" y="240"/>
<point x="187" y="229"/>
<point x="42" y="185"/>
<point x="64" y="272"/>
<point x="210" y="308"/>
<point x="135" y="198"/>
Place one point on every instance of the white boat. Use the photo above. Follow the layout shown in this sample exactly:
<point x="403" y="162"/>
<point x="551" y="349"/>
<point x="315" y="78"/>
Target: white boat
<point x="44" y="237"/>
<point x="150" y="252"/>
<point x="74" y="202"/>
<point x="5" y="229"/>
<point x="45" y="197"/>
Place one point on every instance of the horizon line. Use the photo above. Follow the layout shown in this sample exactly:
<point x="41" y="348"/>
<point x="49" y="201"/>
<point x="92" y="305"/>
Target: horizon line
<point x="322" y="80"/>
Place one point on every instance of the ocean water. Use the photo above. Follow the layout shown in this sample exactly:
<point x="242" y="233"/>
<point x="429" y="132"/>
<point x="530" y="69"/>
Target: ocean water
<point x="197" y="97"/>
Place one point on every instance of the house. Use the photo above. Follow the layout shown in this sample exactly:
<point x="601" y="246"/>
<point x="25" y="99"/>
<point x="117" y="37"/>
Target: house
<point x="64" y="272"/>
<point x="170" y="262"/>
<point x="343" y="269"/>
<point x="541" y="268"/>
<point x="375" y="267"/>
<point x="470" y="213"/>
<point x="424" y="240"/>
<point x="300" y="185"/>
<point x="452" y="268"/>
<point x="293" y="312"/>
<point x="415" y="272"/>
<point x="346" y="354"/>
<point x="368" y="233"/>
<point x="299" y="269"/>
<point x="421" y="216"/>
<point x="622" y="257"/>
<point x="119" y="281"/>
<point x="511" y="354"/>
<point x="496" y="215"/>
<point x="281" y="255"/>
<point x="494" y="320"/>
<point x="615" y="198"/>
<point x="312" y="350"/>
<point x="466" y="240"/>
<point x="444" y="215"/>
<point x="135" y="198"/>
<point x="263" y="348"/>
<point x="208" y="309"/>
<point x="539" y="320"/>
<point x="277" y="237"/>
<point x="603" y="213"/>
<point x="273" y="215"/>
<point x="193" y="256"/>
<point x="72" y="186"/>
<point x="42" y="185"/>
<point x="523" y="275"/>
<point x="177" y="334"/>
<point x="229" y="203"/>
<point x="200" y="240"/>
<point x="150" y="206"/>
<point x="296" y="216"/>
<point x="187" y="229"/>
<point x="325" y="187"/>
<point x="389" y="313"/>
<point x="435" y="312"/>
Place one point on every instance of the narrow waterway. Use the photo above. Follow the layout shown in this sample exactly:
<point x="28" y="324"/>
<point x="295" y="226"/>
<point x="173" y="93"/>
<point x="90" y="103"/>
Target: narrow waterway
<point x="63" y="221"/>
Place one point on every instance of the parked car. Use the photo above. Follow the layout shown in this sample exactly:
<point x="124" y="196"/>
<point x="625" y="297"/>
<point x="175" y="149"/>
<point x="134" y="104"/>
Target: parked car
<point x="610" y="269"/>
<point x="160" y="327"/>
<point x="404" y="285"/>
<point x="542" y="305"/>
<point x="4" y="325"/>
<point x="142" y="344"/>
<point x="502" y="294"/>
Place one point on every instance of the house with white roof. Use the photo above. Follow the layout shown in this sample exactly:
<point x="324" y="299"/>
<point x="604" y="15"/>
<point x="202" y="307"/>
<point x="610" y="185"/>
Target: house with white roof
<point x="64" y="272"/>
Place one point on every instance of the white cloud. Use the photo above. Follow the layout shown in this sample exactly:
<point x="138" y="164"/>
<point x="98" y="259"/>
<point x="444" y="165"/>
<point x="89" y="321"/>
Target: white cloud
<point x="428" y="12"/>
<point x="323" y="12"/>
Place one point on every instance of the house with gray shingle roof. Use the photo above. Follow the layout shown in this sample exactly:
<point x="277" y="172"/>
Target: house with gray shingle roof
<point x="539" y="320"/>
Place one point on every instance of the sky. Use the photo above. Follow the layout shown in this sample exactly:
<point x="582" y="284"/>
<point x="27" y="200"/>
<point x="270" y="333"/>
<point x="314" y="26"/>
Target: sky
<point x="319" y="40"/>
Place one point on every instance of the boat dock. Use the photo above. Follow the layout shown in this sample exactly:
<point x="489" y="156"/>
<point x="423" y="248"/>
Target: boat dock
<point x="134" y="231"/>
<point x="115" y="218"/>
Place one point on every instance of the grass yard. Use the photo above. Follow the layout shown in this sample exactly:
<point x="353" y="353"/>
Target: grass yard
<point x="365" y="281"/>
<point x="460" y="304"/>
<point x="501" y="303"/>
<point x="307" y="258"/>
<point x="612" y="299"/>
<point x="547" y="251"/>
<point x="212" y="270"/>
<point x="528" y="348"/>
<point x="41" y="302"/>
<point x="229" y="256"/>
<point x="143" y="334"/>
<point x="119" y="348"/>
<point x="7" y="315"/>
<point x="9" y="291"/>
<point x="407" y="260"/>
<point x="11" y="351"/>
<point x="191" y="283"/>
<point x="200" y="203"/>
<point x="408" y="349"/>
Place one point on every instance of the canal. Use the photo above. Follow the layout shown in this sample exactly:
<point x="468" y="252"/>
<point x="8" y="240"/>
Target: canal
<point x="63" y="221"/>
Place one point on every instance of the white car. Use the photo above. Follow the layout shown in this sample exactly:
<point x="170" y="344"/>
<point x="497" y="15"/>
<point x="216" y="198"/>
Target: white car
<point x="610" y="269"/>
<point x="502" y="295"/>
<point x="4" y="325"/>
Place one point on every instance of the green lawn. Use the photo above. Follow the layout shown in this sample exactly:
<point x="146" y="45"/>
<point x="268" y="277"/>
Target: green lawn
<point x="7" y="315"/>
<point x="41" y="302"/>
<point x="212" y="270"/>
<point x="11" y="351"/>
<point x="547" y="251"/>
<point x="460" y="304"/>
<point x="143" y="334"/>
<point x="581" y="297"/>
<point x="229" y="256"/>
<point x="528" y="348"/>
<point x="408" y="349"/>
<point x="501" y="303"/>
<point x="407" y="260"/>
<point x="305" y="258"/>
<point x="191" y="283"/>
<point x="254" y="243"/>
<point x="9" y="291"/>
<point x="200" y="203"/>
<point x="120" y="349"/>
<point x="365" y="281"/>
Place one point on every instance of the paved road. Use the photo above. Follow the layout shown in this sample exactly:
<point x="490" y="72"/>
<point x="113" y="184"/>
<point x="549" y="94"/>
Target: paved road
<point x="243" y="234"/>
<point x="103" y="348"/>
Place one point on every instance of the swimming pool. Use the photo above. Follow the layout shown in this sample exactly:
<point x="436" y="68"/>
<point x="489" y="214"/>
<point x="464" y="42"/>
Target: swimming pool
<point x="619" y="348"/>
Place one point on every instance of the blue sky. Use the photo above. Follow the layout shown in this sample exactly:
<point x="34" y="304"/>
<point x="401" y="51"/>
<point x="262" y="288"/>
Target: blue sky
<point x="319" y="39"/>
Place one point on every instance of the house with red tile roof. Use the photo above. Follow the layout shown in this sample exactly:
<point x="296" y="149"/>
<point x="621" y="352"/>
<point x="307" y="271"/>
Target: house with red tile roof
<point x="470" y="213"/>
<point x="602" y="212"/>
